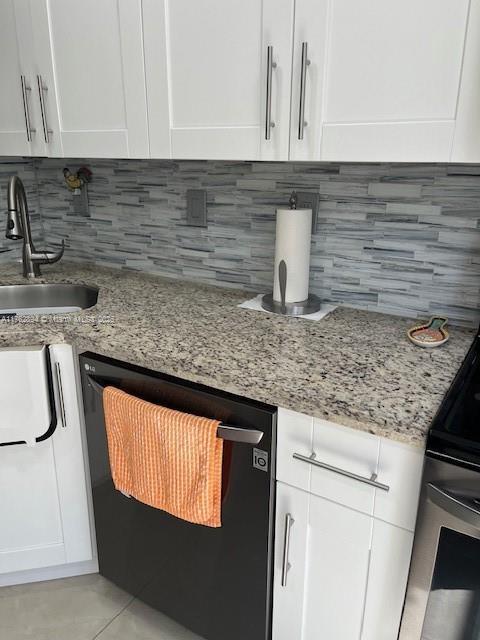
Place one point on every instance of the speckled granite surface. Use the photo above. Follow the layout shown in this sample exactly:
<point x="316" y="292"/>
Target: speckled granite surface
<point x="355" y="368"/>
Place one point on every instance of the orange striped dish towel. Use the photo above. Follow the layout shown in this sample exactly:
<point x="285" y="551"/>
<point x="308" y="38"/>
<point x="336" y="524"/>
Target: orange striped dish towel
<point x="167" y="459"/>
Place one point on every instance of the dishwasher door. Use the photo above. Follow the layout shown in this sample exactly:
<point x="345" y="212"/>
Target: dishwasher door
<point x="216" y="582"/>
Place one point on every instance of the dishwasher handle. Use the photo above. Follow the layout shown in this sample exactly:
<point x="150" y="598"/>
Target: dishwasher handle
<point x="224" y="431"/>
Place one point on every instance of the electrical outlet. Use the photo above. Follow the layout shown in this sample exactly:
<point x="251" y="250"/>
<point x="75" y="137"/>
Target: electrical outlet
<point x="309" y="200"/>
<point x="80" y="201"/>
<point x="196" y="207"/>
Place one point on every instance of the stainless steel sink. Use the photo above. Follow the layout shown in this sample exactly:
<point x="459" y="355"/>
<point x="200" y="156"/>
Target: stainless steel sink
<point x="29" y="299"/>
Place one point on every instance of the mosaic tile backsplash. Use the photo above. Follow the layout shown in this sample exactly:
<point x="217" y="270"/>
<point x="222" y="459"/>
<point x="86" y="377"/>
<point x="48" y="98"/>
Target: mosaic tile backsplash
<point x="403" y="239"/>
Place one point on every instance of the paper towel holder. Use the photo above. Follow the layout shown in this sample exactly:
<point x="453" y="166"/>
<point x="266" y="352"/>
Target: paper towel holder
<point x="304" y="307"/>
<point x="301" y="308"/>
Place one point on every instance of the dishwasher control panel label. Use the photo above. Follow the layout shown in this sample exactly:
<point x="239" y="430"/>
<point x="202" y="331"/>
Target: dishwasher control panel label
<point x="260" y="459"/>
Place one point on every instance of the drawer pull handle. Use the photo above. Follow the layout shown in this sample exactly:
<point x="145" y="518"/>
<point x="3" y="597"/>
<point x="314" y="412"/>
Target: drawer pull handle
<point x="41" y="95"/>
<point x="26" y="109"/>
<point x="286" y="548"/>
<point x="269" y="124"/>
<point x="372" y="481"/>
<point x="303" y="84"/>
<point x="61" y="399"/>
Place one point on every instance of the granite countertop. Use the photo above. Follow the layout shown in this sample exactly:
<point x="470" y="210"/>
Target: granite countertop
<point x="355" y="368"/>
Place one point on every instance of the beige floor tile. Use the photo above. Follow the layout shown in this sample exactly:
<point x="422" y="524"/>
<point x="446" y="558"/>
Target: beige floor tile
<point x="80" y="631"/>
<point x="90" y="579"/>
<point x="60" y="603"/>
<point x="140" y="622"/>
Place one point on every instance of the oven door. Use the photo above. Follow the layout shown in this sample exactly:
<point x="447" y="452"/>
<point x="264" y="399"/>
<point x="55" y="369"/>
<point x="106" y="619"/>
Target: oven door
<point x="443" y="595"/>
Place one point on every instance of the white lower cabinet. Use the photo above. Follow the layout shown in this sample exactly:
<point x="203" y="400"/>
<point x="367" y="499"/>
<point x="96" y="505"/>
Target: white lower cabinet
<point x="346" y="572"/>
<point x="323" y="593"/>
<point x="290" y="585"/>
<point x="43" y="489"/>
<point x="343" y="546"/>
<point x="338" y="553"/>
<point x="391" y="549"/>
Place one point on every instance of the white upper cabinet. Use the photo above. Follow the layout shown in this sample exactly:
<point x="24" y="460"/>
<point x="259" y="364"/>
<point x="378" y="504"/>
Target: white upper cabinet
<point x="333" y="80"/>
<point x="89" y="77"/>
<point x="383" y="80"/>
<point x="212" y="86"/>
<point x="466" y="145"/>
<point x="16" y="117"/>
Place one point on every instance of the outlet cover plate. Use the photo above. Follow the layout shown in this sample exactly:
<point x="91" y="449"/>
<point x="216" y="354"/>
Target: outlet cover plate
<point x="309" y="200"/>
<point x="196" y="207"/>
<point x="80" y="202"/>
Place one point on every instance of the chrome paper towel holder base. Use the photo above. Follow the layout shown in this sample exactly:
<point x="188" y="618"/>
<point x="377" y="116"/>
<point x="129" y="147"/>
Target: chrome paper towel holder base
<point x="302" y="308"/>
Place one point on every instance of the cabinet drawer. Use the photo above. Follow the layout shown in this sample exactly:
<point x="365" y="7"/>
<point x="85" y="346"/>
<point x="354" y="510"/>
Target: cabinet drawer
<point x="400" y="467"/>
<point x="344" y="459"/>
<point x="294" y="434"/>
<point x="352" y="456"/>
<point x="347" y="451"/>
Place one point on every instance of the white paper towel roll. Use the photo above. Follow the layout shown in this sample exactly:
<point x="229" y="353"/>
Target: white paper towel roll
<point x="292" y="244"/>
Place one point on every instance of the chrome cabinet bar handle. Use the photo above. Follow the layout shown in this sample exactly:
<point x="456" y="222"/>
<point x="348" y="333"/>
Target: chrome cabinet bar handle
<point x="41" y="91"/>
<point x="372" y="481"/>
<point x="58" y="373"/>
<point x="303" y="82"/>
<point x="286" y="566"/>
<point x="269" y="124"/>
<point x="26" y="109"/>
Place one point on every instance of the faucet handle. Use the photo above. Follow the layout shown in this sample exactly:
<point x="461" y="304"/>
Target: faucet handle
<point x="54" y="256"/>
<point x="48" y="257"/>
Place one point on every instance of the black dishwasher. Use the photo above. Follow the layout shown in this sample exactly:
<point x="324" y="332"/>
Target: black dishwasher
<point x="216" y="582"/>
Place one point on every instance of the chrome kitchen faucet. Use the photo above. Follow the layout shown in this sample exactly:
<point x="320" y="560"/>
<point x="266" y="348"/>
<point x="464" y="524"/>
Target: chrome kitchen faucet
<point x="18" y="228"/>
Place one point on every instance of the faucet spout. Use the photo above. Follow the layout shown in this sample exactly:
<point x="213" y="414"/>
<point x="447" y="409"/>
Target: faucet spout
<point x="18" y="228"/>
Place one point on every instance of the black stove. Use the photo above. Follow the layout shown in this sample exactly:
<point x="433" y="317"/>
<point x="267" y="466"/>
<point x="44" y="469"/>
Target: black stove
<point x="455" y="431"/>
<point x="443" y="594"/>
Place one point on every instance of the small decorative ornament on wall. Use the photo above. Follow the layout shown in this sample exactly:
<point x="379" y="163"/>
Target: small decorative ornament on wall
<point x="433" y="334"/>
<point x="77" y="184"/>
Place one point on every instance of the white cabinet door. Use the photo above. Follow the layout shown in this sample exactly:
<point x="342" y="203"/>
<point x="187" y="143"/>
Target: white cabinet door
<point x="387" y="581"/>
<point x="291" y="529"/>
<point x="90" y="76"/>
<point x="31" y="533"/>
<point x="338" y="573"/>
<point x="206" y="69"/>
<point x="43" y="494"/>
<point x="329" y="555"/>
<point x="69" y="457"/>
<point x="383" y="79"/>
<point x="338" y="554"/>
<point x="466" y="145"/>
<point x="16" y="118"/>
